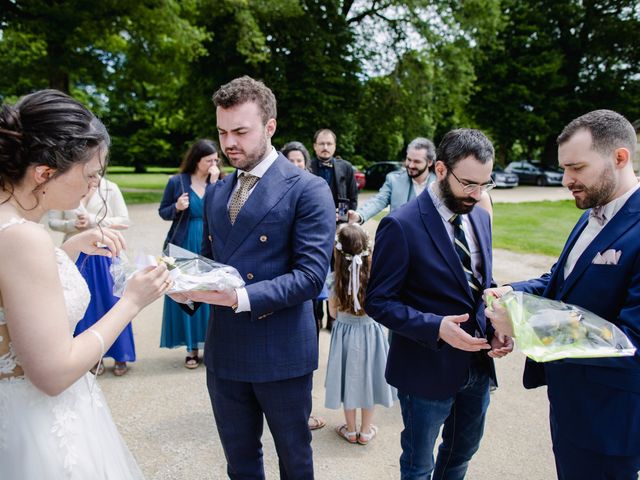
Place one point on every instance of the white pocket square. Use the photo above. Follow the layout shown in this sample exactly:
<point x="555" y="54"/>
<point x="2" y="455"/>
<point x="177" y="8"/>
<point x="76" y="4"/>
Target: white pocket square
<point x="608" y="257"/>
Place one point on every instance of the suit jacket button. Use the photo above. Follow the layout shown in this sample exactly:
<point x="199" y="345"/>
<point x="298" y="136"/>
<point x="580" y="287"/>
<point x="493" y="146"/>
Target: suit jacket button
<point x="263" y="238"/>
<point x="249" y="276"/>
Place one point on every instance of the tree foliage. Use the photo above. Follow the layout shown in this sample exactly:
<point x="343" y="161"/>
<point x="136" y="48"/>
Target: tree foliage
<point x="377" y="72"/>
<point x="555" y="60"/>
<point x="125" y="59"/>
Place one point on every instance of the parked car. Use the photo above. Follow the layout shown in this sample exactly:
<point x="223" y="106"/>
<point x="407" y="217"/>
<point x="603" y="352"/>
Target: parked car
<point x="534" y="175"/>
<point x="377" y="173"/>
<point x="361" y="179"/>
<point x="504" y="179"/>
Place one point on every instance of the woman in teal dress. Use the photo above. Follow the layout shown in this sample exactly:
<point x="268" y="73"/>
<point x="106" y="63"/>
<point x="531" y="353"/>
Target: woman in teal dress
<point x="182" y="204"/>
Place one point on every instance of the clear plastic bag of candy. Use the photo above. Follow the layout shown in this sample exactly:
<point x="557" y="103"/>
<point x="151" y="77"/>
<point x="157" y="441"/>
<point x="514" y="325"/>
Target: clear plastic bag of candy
<point x="188" y="271"/>
<point x="546" y="330"/>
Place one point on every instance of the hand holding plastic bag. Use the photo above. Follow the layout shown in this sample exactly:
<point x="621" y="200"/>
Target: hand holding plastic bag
<point x="547" y="330"/>
<point x="188" y="271"/>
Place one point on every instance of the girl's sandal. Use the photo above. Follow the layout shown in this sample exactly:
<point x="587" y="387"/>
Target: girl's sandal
<point x="365" y="438"/>
<point x="351" y="437"/>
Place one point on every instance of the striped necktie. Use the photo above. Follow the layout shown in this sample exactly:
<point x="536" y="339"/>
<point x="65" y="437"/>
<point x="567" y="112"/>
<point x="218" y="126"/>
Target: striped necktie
<point x="247" y="182"/>
<point x="462" y="249"/>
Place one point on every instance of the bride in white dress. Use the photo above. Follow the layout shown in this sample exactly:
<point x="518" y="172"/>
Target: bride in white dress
<point x="54" y="422"/>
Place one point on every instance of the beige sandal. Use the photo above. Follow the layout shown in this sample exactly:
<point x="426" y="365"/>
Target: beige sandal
<point x="365" y="438"/>
<point x="351" y="437"/>
<point x="316" y="423"/>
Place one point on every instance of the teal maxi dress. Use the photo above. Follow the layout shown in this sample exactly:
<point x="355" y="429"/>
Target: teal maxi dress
<point x="179" y="328"/>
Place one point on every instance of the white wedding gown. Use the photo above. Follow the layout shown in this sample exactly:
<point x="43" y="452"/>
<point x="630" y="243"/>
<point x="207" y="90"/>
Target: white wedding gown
<point x="69" y="436"/>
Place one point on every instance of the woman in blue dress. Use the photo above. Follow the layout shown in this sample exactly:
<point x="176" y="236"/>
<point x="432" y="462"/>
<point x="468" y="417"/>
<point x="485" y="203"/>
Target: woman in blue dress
<point x="182" y="205"/>
<point x="103" y="206"/>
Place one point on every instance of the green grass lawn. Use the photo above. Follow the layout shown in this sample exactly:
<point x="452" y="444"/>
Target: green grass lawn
<point x="143" y="181"/>
<point x="534" y="227"/>
<point x="531" y="227"/>
<point x="132" y="198"/>
<point x="155" y="179"/>
<point x="118" y="169"/>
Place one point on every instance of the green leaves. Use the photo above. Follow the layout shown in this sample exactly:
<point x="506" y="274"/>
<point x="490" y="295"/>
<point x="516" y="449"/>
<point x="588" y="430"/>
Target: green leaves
<point x="553" y="61"/>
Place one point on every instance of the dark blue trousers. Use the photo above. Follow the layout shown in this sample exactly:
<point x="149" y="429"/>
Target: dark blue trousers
<point x="240" y="408"/>
<point x="574" y="463"/>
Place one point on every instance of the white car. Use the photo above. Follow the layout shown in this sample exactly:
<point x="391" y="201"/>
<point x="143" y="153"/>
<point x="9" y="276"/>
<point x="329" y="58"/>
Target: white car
<point x="504" y="179"/>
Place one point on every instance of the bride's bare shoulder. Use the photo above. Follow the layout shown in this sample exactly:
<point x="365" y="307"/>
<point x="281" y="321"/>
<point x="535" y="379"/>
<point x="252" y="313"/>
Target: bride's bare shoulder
<point x="19" y="237"/>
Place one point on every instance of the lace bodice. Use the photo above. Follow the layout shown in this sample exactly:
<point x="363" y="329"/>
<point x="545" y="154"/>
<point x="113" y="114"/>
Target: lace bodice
<point x="76" y="297"/>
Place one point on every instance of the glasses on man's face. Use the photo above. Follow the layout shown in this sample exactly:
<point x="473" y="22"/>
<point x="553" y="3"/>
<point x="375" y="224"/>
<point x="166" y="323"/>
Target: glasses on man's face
<point x="469" y="188"/>
<point x="325" y="144"/>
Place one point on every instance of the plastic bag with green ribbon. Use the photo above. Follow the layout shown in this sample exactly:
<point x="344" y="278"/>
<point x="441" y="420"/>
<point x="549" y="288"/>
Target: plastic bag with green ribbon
<point x="546" y="330"/>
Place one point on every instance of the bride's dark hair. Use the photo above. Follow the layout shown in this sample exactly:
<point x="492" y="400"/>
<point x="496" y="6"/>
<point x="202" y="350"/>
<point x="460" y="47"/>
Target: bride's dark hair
<point x="48" y="128"/>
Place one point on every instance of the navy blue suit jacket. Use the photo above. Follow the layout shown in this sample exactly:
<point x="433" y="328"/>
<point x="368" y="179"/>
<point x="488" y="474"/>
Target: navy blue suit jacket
<point x="416" y="279"/>
<point x="596" y="402"/>
<point x="281" y="245"/>
<point x="176" y="186"/>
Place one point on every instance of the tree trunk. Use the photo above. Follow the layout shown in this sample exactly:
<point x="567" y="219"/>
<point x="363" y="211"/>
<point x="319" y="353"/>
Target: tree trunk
<point x="58" y="75"/>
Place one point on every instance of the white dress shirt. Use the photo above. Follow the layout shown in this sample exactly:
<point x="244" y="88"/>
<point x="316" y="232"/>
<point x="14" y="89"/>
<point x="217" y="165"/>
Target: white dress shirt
<point x="593" y="228"/>
<point x="419" y="187"/>
<point x="259" y="170"/>
<point x="445" y="215"/>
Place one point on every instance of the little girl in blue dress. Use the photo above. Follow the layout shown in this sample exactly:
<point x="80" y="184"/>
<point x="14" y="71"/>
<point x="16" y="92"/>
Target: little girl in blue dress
<point x="358" y="349"/>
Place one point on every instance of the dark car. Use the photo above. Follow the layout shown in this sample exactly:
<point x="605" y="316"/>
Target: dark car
<point x="377" y="173"/>
<point x="504" y="179"/>
<point x="534" y="175"/>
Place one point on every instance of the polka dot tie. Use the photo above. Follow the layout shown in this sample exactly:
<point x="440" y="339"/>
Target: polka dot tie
<point x="247" y="182"/>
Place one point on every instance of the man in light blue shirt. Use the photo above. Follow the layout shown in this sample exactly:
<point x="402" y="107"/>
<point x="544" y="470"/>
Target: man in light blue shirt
<point x="403" y="185"/>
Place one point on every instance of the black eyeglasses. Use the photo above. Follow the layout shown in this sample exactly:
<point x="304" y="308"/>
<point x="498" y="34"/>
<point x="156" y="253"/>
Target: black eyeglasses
<point x="470" y="188"/>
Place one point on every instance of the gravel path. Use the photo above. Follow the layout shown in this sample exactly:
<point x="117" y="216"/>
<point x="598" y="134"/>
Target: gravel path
<point x="163" y="410"/>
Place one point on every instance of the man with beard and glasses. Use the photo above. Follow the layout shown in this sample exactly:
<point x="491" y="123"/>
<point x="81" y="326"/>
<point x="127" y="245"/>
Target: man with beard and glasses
<point x="404" y="185"/>
<point x="595" y="403"/>
<point x="274" y="223"/>
<point x="431" y="262"/>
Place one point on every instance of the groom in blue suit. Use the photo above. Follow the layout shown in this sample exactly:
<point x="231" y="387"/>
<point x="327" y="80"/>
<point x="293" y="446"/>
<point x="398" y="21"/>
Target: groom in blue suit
<point x="595" y="403"/>
<point x="275" y="224"/>
<point x="431" y="261"/>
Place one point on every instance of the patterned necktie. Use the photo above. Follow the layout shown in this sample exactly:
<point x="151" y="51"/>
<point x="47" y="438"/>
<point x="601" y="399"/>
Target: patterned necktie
<point x="247" y="182"/>
<point x="462" y="249"/>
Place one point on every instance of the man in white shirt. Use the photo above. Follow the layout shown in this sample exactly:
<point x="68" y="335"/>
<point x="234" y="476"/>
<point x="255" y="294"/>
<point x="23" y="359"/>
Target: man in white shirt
<point x="432" y="260"/>
<point x="595" y="403"/>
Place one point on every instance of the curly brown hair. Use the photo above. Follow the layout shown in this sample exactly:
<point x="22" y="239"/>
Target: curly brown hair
<point x="243" y="90"/>
<point x="351" y="239"/>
